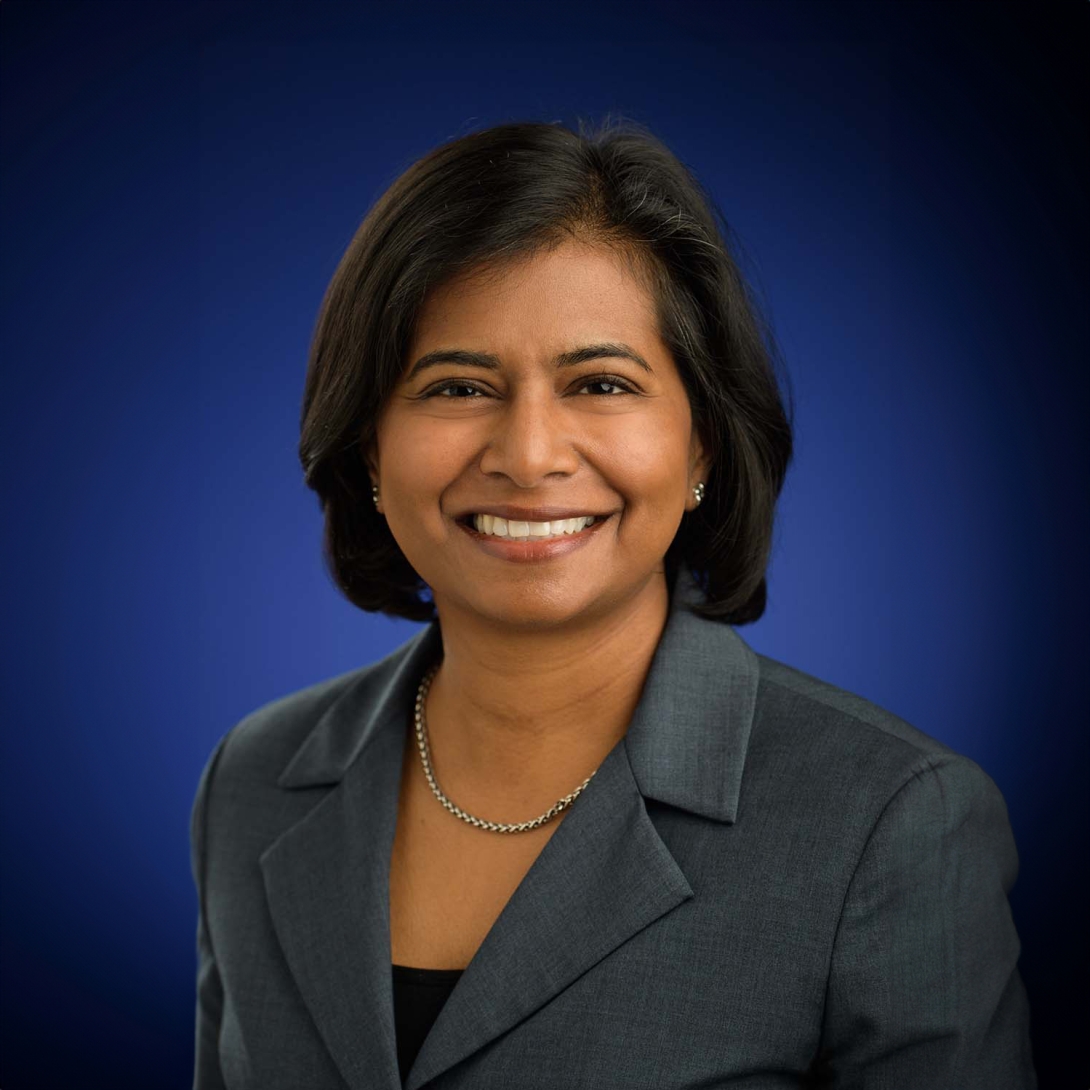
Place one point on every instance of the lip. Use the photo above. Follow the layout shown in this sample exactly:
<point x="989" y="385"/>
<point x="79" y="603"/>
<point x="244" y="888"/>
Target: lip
<point x="531" y="551"/>
<point x="531" y="514"/>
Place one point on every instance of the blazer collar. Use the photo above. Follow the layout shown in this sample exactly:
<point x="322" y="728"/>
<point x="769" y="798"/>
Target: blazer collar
<point x="604" y="876"/>
<point x="686" y="742"/>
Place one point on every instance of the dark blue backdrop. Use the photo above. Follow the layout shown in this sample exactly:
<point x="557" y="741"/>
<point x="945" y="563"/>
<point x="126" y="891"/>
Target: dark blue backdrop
<point x="179" y="182"/>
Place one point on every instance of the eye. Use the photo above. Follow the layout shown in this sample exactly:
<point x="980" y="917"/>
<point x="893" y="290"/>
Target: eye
<point x="609" y="380"/>
<point x="442" y="388"/>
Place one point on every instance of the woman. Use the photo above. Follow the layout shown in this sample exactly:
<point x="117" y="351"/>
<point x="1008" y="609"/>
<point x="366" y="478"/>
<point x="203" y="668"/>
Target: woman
<point x="575" y="832"/>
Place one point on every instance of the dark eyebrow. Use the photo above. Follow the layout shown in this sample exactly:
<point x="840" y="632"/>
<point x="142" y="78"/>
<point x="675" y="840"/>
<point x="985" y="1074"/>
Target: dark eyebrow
<point x="610" y="349"/>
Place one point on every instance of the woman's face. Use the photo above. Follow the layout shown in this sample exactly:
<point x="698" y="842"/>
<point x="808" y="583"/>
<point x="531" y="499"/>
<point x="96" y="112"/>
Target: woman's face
<point x="602" y="436"/>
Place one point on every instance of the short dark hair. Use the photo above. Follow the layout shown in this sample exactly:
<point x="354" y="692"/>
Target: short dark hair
<point x="501" y="194"/>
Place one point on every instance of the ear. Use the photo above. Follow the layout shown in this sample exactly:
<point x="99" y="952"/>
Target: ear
<point x="699" y="466"/>
<point x="370" y="459"/>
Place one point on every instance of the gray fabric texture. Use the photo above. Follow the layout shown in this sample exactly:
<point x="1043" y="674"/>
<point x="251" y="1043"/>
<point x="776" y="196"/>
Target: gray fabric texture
<point x="770" y="882"/>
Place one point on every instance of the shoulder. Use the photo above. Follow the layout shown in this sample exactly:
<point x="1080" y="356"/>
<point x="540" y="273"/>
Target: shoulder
<point x="260" y="744"/>
<point x="256" y="750"/>
<point x="901" y="850"/>
<point x="822" y="749"/>
<point x="245" y="798"/>
<point x="828" y="723"/>
<point x="790" y="699"/>
<point x="241" y="772"/>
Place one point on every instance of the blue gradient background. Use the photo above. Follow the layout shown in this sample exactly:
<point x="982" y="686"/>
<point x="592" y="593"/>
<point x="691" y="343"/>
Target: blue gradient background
<point x="179" y="181"/>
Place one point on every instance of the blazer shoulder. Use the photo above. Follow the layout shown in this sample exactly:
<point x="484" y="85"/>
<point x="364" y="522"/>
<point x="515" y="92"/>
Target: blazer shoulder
<point x="260" y="745"/>
<point x="791" y="699"/>
<point x="816" y="747"/>
<point x="808" y="731"/>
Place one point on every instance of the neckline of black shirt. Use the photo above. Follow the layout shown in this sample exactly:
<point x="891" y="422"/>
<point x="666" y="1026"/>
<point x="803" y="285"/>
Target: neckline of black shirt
<point x="410" y="974"/>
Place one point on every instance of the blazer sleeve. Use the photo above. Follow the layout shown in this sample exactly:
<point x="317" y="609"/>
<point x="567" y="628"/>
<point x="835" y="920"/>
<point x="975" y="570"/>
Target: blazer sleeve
<point x="207" y="1075"/>
<point x="924" y="989"/>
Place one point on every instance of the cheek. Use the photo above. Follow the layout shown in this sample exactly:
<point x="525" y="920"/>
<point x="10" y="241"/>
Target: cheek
<point x="647" y="463"/>
<point x="419" y="457"/>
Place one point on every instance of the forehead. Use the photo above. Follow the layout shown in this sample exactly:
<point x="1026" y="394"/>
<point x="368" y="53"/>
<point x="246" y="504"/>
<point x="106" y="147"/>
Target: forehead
<point x="573" y="291"/>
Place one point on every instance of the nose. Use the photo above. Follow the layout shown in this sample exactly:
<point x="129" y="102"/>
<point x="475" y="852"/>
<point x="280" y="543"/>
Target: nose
<point x="531" y="438"/>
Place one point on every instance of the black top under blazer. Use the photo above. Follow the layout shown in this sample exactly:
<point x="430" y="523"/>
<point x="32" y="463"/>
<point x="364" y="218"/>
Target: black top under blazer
<point x="769" y="882"/>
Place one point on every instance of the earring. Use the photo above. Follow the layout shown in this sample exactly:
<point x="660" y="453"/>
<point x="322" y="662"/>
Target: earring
<point x="698" y="491"/>
<point x="374" y="493"/>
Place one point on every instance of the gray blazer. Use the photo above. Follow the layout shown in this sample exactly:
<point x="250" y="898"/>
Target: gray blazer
<point x="767" y="876"/>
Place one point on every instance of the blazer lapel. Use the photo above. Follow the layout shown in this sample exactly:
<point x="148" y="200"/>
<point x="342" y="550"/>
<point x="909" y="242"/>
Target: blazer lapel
<point x="604" y="875"/>
<point x="327" y="877"/>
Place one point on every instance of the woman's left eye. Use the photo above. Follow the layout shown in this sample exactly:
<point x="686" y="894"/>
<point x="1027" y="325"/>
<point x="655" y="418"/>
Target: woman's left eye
<point x="608" y="382"/>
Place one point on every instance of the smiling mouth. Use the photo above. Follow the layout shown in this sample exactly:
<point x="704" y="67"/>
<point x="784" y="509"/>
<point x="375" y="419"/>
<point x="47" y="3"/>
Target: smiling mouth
<point x="470" y="524"/>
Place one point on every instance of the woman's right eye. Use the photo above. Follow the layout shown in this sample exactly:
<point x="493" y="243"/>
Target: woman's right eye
<point x="452" y="385"/>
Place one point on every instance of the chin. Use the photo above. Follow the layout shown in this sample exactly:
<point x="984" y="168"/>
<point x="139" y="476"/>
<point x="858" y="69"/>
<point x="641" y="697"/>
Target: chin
<point x="526" y="601"/>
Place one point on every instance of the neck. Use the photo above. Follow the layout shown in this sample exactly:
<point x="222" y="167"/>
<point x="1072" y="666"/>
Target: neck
<point x="516" y="722"/>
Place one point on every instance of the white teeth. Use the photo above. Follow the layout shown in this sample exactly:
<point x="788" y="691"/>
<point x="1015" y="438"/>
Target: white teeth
<point x="497" y="527"/>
